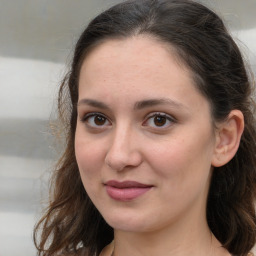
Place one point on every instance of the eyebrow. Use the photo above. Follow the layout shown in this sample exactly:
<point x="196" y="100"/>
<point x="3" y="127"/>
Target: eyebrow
<point x="154" y="102"/>
<point x="137" y="106"/>
<point x="93" y="103"/>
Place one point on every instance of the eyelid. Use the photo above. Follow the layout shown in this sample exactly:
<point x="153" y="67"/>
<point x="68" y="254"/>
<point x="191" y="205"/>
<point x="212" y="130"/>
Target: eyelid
<point x="89" y="114"/>
<point x="169" y="118"/>
<point x="162" y="114"/>
<point x="158" y="113"/>
<point x="86" y="116"/>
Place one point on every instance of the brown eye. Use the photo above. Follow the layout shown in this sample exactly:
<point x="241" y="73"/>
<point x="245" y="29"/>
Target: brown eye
<point x="159" y="120"/>
<point x="99" y="120"/>
<point x="95" y="120"/>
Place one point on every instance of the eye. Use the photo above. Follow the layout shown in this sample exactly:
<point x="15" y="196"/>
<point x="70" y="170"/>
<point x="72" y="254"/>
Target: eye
<point x="159" y="120"/>
<point x="96" y="120"/>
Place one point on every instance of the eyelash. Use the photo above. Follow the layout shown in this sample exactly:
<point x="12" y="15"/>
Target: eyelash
<point x="86" y="118"/>
<point x="167" y="118"/>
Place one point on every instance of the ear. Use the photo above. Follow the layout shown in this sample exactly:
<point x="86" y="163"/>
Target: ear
<point x="228" y="137"/>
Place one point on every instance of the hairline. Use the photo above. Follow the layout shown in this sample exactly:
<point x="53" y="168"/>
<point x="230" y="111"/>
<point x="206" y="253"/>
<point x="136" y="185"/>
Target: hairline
<point x="173" y="50"/>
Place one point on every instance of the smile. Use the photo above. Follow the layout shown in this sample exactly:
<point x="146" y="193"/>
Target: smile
<point x="127" y="190"/>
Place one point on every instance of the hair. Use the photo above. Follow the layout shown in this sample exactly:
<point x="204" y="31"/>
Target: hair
<point x="203" y="44"/>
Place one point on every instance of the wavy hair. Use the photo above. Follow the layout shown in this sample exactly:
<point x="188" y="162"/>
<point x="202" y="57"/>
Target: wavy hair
<point x="204" y="45"/>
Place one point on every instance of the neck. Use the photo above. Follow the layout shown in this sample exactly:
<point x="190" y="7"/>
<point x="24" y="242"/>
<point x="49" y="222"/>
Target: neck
<point x="189" y="240"/>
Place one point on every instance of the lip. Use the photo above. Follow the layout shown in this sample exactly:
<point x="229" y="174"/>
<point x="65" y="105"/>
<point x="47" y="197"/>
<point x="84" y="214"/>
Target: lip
<point x="126" y="190"/>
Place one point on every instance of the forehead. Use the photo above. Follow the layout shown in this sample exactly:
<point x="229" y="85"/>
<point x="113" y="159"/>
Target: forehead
<point x="120" y="73"/>
<point x="139" y="54"/>
<point x="134" y="69"/>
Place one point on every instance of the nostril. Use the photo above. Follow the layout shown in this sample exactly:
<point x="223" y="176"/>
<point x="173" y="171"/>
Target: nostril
<point x="120" y="160"/>
<point x="123" y="151"/>
<point x="115" y="163"/>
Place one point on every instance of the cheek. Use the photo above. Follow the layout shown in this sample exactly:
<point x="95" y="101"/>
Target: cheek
<point x="89" y="155"/>
<point x="183" y="160"/>
<point x="183" y="172"/>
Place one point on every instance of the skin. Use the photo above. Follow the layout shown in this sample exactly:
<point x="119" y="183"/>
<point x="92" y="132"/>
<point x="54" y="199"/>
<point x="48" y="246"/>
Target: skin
<point x="175" y="158"/>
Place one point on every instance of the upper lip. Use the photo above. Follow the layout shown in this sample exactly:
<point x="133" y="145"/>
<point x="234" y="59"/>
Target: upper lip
<point x="127" y="184"/>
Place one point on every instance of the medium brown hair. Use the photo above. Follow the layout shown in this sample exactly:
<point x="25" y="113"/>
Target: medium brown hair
<point x="206" y="48"/>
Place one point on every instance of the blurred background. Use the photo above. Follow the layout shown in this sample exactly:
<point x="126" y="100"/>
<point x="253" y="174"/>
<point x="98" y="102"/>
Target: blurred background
<point x="36" y="42"/>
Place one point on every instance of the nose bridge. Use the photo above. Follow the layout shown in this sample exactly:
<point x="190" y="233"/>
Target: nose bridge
<point x="123" y="149"/>
<point x="122" y="137"/>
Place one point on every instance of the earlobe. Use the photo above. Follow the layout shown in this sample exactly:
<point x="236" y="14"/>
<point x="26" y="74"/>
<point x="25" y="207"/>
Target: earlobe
<point x="228" y="137"/>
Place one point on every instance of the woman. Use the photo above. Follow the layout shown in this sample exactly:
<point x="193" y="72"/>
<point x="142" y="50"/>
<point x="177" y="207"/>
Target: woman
<point x="160" y="153"/>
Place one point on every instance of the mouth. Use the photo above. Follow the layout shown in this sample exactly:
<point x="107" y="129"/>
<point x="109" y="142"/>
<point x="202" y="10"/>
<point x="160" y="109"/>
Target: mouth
<point x="126" y="190"/>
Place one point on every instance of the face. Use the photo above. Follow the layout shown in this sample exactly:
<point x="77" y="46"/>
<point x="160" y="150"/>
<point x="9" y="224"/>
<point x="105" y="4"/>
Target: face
<point x="144" y="140"/>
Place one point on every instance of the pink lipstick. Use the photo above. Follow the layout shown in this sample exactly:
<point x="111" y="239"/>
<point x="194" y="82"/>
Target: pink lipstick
<point x="126" y="190"/>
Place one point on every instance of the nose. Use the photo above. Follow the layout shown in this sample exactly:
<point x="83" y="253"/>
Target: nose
<point x="123" y="151"/>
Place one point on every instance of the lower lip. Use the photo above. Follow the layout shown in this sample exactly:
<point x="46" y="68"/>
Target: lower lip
<point x="126" y="194"/>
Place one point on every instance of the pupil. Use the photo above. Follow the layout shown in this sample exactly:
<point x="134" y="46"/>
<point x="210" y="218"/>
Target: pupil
<point x="99" y="120"/>
<point x="160" y="120"/>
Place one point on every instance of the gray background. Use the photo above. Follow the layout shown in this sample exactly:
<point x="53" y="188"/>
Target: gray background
<point x="36" y="42"/>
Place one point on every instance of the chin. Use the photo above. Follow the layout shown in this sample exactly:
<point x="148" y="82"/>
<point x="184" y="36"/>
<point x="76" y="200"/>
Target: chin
<point x="130" y="222"/>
